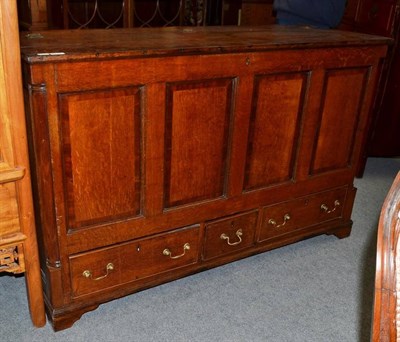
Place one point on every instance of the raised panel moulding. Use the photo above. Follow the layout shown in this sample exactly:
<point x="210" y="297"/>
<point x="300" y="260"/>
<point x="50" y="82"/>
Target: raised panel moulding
<point x="276" y="117"/>
<point x="103" y="179"/>
<point x="342" y="98"/>
<point x="198" y="125"/>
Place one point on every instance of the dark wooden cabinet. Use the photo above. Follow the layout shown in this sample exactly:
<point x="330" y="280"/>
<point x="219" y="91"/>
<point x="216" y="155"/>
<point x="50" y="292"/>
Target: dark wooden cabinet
<point x="256" y="12"/>
<point x="381" y="17"/>
<point x="89" y="14"/>
<point x="149" y="165"/>
<point x="370" y="16"/>
<point x="69" y="14"/>
<point x="33" y="15"/>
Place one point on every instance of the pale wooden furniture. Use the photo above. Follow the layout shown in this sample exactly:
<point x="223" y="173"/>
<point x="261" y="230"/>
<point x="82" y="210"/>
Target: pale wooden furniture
<point x="386" y="318"/>
<point x="158" y="153"/>
<point x="18" y="248"/>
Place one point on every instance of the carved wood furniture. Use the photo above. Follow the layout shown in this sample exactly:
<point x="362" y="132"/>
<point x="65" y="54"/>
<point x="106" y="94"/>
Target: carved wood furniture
<point x="386" y="321"/>
<point x="18" y="247"/>
<point x="158" y="153"/>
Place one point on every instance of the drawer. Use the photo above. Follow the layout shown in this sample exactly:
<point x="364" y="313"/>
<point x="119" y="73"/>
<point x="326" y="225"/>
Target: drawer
<point x="107" y="267"/>
<point x="307" y="211"/>
<point x="229" y="234"/>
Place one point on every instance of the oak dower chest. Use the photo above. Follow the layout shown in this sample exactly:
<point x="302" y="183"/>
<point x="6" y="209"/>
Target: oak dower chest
<point x="157" y="153"/>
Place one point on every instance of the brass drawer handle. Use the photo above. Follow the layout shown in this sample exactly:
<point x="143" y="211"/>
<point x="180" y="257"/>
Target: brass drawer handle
<point x="326" y="209"/>
<point x="285" y="219"/>
<point x="238" y="233"/>
<point x="109" y="268"/>
<point x="167" y="252"/>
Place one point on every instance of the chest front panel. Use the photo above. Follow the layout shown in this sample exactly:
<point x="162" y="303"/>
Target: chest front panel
<point x="145" y="138"/>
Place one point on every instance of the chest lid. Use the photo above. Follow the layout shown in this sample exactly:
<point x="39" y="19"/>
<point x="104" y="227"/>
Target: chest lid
<point x="61" y="45"/>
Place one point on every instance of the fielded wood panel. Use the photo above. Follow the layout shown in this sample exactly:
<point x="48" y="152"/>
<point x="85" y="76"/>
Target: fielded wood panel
<point x="275" y="125"/>
<point x="343" y="93"/>
<point x="198" y="121"/>
<point x="102" y="165"/>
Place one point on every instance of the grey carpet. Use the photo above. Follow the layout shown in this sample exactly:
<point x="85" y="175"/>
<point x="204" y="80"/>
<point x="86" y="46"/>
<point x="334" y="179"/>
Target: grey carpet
<point x="320" y="289"/>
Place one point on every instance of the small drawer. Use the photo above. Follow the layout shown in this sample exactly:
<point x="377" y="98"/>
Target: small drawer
<point x="104" y="268"/>
<point x="307" y="211"/>
<point x="229" y="234"/>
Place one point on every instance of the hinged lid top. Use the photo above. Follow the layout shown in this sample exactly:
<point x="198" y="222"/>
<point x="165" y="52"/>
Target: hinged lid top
<point x="59" y="45"/>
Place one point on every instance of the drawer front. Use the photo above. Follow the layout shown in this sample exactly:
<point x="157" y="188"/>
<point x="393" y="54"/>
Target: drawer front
<point x="307" y="211"/>
<point x="229" y="235"/>
<point x="102" y="269"/>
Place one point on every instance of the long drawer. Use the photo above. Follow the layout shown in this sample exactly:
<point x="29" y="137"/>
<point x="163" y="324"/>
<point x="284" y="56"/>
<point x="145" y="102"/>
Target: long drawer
<point x="287" y="217"/>
<point x="101" y="269"/>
